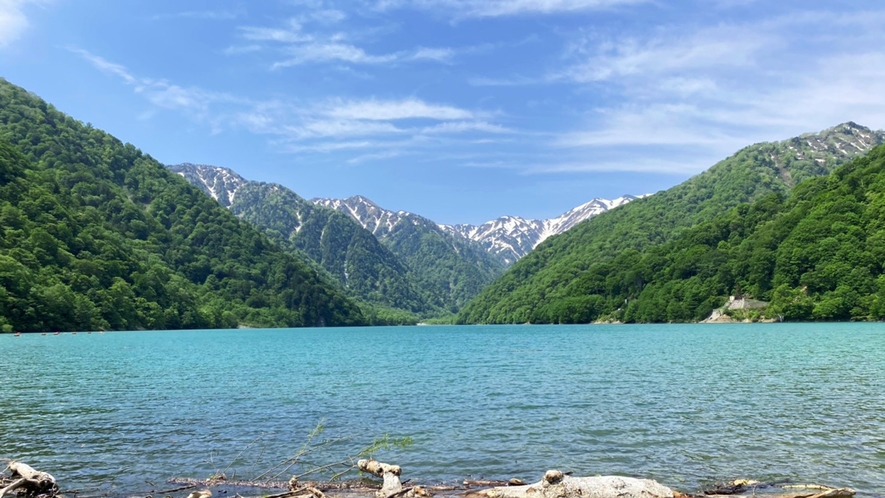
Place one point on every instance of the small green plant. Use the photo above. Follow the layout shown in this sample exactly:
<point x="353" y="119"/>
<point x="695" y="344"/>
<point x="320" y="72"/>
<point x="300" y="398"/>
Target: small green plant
<point x="385" y="442"/>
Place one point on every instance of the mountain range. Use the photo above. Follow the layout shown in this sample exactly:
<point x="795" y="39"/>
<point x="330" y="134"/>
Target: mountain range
<point x="509" y="237"/>
<point x="814" y="253"/>
<point x="512" y="237"/>
<point x="405" y="262"/>
<point x="415" y="264"/>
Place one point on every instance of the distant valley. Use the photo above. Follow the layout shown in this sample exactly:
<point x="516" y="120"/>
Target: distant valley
<point x="391" y="258"/>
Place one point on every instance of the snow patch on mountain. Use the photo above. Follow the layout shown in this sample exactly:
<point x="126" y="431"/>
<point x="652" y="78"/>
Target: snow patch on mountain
<point x="371" y="216"/>
<point x="508" y="237"/>
<point x="512" y="237"/>
<point x="220" y="183"/>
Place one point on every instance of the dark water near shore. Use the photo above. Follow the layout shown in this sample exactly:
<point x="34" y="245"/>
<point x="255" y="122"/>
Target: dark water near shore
<point x="685" y="404"/>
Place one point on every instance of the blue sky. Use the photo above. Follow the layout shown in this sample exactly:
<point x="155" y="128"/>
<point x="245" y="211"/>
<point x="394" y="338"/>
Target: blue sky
<point x="459" y="110"/>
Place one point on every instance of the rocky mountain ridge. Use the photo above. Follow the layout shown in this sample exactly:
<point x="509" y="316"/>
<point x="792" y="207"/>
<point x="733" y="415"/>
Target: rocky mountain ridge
<point x="220" y="183"/>
<point x="509" y="238"/>
<point x="403" y="261"/>
<point x="512" y="237"/>
<point x="371" y="216"/>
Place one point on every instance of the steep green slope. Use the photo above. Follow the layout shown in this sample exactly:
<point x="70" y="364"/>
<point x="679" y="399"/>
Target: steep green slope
<point x="818" y="254"/>
<point x="96" y="234"/>
<point x="542" y="280"/>
<point x="449" y="270"/>
<point x="446" y="268"/>
<point x="340" y="245"/>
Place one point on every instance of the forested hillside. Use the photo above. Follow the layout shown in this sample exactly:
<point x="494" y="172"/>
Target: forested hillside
<point x="543" y="282"/>
<point x="446" y="268"/>
<point x="98" y="235"/>
<point x="351" y="254"/>
<point x="449" y="270"/>
<point x="361" y="264"/>
<point x="818" y="254"/>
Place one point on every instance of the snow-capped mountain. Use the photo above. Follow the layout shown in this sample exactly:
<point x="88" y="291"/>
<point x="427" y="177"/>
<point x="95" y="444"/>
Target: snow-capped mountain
<point x="220" y="183"/>
<point x="508" y="237"/>
<point x="371" y="216"/>
<point x="512" y="237"/>
<point x="455" y="268"/>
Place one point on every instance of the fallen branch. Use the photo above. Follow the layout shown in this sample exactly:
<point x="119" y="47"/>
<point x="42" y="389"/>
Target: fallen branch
<point x="25" y="480"/>
<point x="740" y="486"/>
<point x="12" y="487"/>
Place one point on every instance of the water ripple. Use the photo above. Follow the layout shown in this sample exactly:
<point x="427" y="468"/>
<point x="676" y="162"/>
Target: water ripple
<point x="687" y="405"/>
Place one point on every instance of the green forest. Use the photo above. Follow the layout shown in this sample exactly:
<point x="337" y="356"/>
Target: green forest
<point x="353" y="256"/>
<point x="96" y="235"/>
<point x="541" y="287"/>
<point x="815" y="254"/>
<point x="409" y="271"/>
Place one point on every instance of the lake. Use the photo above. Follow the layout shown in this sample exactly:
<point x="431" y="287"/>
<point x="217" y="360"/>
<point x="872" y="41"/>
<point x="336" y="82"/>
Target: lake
<point x="687" y="405"/>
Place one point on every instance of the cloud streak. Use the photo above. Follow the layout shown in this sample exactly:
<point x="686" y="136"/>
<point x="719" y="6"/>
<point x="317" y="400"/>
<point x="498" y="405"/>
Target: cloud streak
<point x="335" y="124"/>
<point x="501" y="8"/>
<point x="207" y="15"/>
<point x="193" y="101"/>
<point x="298" y="47"/>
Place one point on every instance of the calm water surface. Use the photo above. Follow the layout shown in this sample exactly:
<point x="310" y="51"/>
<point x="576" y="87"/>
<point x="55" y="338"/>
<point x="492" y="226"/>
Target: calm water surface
<point x="685" y="404"/>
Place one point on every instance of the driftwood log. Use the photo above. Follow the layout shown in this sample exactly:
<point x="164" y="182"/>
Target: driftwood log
<point x="32" y="481"/>
<point x="392" y="487"/>
<point x="557" y="485"/>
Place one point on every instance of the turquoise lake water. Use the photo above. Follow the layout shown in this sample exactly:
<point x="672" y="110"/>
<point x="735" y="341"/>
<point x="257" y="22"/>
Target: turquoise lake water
<point x="687" y="405"/>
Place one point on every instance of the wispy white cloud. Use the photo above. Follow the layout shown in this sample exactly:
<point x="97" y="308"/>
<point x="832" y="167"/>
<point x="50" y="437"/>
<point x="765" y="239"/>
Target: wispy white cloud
<point x="299" y="47"/>
<point x="13" y="21"/>
<point x="333" y="51"/>
<point x="498" y="8"/>
<point x="331" y="128"/>
<point x="255" y="33"/>
<point x="707" y="91"/>
<point x="324" y="52"/>
<point x="378" y="110"/>
<point x="242" y="49"/>
<point x="334" y="124"/>
<point x="327" y="147"/>
<point x="104" y="65"/>
<point x="707" y="49"/>
<point x="436" y="54"/>
<point x="380" y="125"/>
<point x="465" y="126"/>
<point x="209" y="15"/>
<point x="379" y="156"/>
<point x="193" y="101"/>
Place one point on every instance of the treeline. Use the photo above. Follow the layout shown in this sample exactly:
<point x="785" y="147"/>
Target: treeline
<point x="94" y="234"/>
<point x="817" y="254"/>
<point x="542" y="287"/>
